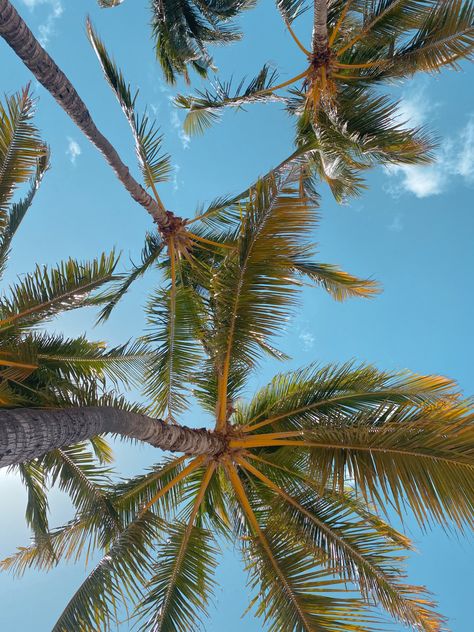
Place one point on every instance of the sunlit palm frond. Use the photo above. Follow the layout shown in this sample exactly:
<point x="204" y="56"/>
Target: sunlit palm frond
<point x="355" y="548"/>
<point x="122" y="571"/>
<point x="20" y="146"/>
<point x="155" y="166"/>
<point x="173" y="322"/>
<point x="303" y="399"/>
<point x="204" y="108"/>
<point x="182" y="581"/>
<point x="49" y="291"/>
<point x="294" y="593"/>
<point x="18" y="211"/>
<point x="151" y="251"/>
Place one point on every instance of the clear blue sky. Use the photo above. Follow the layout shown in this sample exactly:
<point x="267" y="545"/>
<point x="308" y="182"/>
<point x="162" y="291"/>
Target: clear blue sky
<point x="413" y="231"/>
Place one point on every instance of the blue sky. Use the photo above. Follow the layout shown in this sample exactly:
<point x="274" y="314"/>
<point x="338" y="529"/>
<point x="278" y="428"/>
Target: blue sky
<point x="412" y="230"/>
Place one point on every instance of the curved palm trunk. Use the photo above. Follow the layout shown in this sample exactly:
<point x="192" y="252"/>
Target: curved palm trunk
<point x="27" y="433"/>
<point x="19" y="37"/>
<point x="320" y="27"/>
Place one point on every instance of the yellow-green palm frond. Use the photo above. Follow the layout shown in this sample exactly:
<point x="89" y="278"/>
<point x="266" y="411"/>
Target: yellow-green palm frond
<point x="44" y="293"/>
<point x="182" y="580"/>
<point x="21" y="148"/>
<point x="304" y="398"/>
<point x="173" y="335"/>
<point x="156" y="167"/>
<point x="294" y="592"/>
<point x="360" y="549"/>
<point x="17" y="210"/>
<point x="149" y="258"/>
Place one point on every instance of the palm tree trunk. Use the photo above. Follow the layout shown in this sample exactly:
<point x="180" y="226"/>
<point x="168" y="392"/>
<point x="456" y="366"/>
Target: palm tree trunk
<point x="19" y="37"/>
<point x="320" y="27"/>
<point x="27" y="433"/>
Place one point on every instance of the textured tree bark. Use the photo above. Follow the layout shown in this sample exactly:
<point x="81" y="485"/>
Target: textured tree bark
<point x="19" y="37"/>
<point x="320" y="26"/>
<point x="27" y="433"/>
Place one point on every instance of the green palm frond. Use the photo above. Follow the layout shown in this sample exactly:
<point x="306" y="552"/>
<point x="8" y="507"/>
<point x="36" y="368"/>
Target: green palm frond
<point x="151" y="251"/>
<point x="79" y="358"/>
<point x="33" y="477"/>
<point x="20" y="146"/>
<point x="182" y="581"/>
<point x="304" y="398"/>
<point x="183" y="30"/>
<point x="130" y="496"/>
<point x="339" y="284"/>
<point x="204" y="108"/>
<point x="173" y="319"/>
<point x="47" y="292"/>
<point x="155" y="166"/>
<point x="359" y="549"/>
<point x="122" y="571"/>
<point x="74" y="469"/>
<point x="294" y="592"/>
<point x="18" y="211"/>
<point x="446" y="36"/>
<point x="420" y="460"/>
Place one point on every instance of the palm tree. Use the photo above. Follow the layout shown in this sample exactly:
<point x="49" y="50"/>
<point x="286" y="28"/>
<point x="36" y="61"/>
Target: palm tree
<point x="306" y="467"/>
<point x="182" y="30"/>
<point x="344" y="124"/>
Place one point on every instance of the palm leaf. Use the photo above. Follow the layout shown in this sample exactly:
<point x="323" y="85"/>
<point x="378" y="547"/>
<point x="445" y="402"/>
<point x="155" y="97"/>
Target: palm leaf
<point x="151" y="251"/>
<point x="18" y="211"/>
<point x="47" y="292"/>
<point x="20" y="146"/>
<point x="155" y="166"/>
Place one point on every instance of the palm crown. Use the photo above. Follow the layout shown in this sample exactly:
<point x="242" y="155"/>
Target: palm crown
<point x="309" y="464"/>
<point x="344" y="123"/>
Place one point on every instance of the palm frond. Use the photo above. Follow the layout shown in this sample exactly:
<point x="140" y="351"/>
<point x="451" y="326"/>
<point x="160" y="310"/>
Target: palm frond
<point x="155" y="166"/>
<point x="204" y="107"/>
<point x="46" y="292"/>
<point x="350" y="547"/>
<point x="18" y="211"/>
<point x="122" y="571"/>
<point x="294" y="593"/>
<point x="20" y="146"/>
<point x="173" y="319"/>
<point x="182" y="582"/>
<point x="151" y="251"/>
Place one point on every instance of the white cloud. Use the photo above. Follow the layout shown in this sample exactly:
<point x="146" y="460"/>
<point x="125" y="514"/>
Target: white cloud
<point x="178" y="126"/>
<point x="46" y="28"/>
<point x="73" y="150"/>
<point x="465" y="162"/>
<point x="396" y="225"/>
<point x="455" y="157"/>
<point x="307" y="339"/>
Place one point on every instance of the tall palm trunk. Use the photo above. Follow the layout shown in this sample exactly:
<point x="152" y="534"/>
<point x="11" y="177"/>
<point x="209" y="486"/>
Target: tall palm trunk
<point x="27" y="433"/>
<point x="19" y="37"/>
<point x="320" y="27"/>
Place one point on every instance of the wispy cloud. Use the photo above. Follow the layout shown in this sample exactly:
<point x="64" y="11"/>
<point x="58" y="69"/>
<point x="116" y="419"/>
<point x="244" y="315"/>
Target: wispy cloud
<point x="73" y="150"/>
<point x="455" y="157"/>
<point x="47" y="28"/>
<point x="307" y="339"/>
<point x="396" y="226"/>
<point x="177" y="124"/>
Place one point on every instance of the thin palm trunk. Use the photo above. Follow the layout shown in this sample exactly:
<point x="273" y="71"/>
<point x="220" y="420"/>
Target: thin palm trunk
<point x="27" y="433"/>
<point x="320" y="27"/>
<point x="19" y="37"/>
